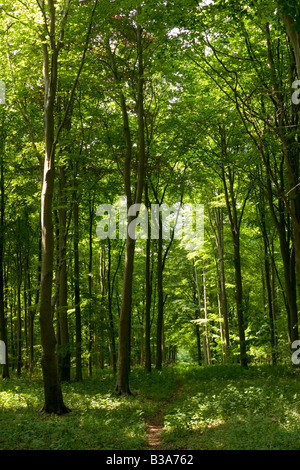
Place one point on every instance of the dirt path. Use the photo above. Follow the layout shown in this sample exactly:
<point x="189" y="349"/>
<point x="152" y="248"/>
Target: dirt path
<point x="154" y="425"/>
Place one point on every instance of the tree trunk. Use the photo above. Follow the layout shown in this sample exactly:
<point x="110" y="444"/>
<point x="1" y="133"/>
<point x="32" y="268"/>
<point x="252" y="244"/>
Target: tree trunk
<point x="90" y="284"/>
<point x="288" y="259"/>
<point x="204" y="341"/>
<point x="148" y="293"/>
<point x="231" y="204"/>
<point x="3" y="323"/>
<point x="223" y="296"/>
<point x="294" y="36"/>
<point x="19" y="319"/>
<point x="160" y="299"/>
<point x="65" y="364"/>
<point x="52" y="389"/>
<point x="110" y="313"/>
<point x="205" y="327"/>
<point x="122" y="384"/>
<point x="268" y="280"/>
<point x="78" y="374"/>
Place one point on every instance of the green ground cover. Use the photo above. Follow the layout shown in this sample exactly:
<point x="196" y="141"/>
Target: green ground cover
<point x="218" y="407"/>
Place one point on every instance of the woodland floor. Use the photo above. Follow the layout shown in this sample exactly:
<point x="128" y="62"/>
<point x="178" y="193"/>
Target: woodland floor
<point x="182" y="407"/>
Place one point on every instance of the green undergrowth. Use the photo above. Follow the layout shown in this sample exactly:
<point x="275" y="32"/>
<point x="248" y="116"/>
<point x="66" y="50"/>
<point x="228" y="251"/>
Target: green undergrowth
<point x="217" y="407"/>
<point x="99" y="419"/>
<point x="227" y="407"/>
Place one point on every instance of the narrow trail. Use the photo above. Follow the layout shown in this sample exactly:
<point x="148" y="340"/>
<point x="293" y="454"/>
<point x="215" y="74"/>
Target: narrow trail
<point x="155" y="424"/>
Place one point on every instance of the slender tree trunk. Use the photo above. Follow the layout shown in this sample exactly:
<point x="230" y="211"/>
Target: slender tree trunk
<point x="90" y="284"/>
<point x="224" y="307"/>
<point x="160" y="299"/>
<point x="273" y="292"/>
<point x="3" y="323"/>
<point x="65" y="364"/>
<point x="270" y="302"/>
<point x="204" y="342"/>
<point x="30" y="317"/>
<point x="205" y="328"/>
<point x="235" y="223"/>
<point x="148" y="293"/>
<point x="19" y="317"/>
<point x="122" y="384"/>
<point x="288" y="259"/>
<point x="110" y="313"/>
<point x="267" y="279"/>
<point x="235" y="232"/>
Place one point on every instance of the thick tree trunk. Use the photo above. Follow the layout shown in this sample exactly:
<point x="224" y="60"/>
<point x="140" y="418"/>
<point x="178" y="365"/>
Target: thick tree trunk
<point x="294" y="35"/>
<point x="288" y="259"/>
<point x="122" y="385"/>
<point x="52" y="389"/>
<point x="287" y="126"/>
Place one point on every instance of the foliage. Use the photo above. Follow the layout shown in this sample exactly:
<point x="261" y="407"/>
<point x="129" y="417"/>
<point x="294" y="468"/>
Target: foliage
<point x="225" y="408"/>
<point x="218" y="407"/>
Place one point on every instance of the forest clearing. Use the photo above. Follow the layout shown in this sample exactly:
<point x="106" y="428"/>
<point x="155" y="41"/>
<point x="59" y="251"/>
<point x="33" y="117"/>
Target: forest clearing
<point x="149" y="224"/>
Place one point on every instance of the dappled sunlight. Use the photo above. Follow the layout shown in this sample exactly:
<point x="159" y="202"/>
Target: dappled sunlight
<point x="213" y="408"/>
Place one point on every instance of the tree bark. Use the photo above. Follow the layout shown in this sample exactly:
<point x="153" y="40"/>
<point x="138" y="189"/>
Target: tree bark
<point x="231" y="204"/>
<point x="64" y="347"/>
<point x="288" y="258"/>
<point x="294" y="36"/>
<point x="122" y="383"/>
<point x="90" y="284"/>
<point x="148" y="293"/>
<point x="160" y="299"/>
<point x="110" y="312"/>
<point x="216" y="222"/>
<point x="78" y="373"/>
<point x="3" y="323"/>
<point x="19" y="319"/>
